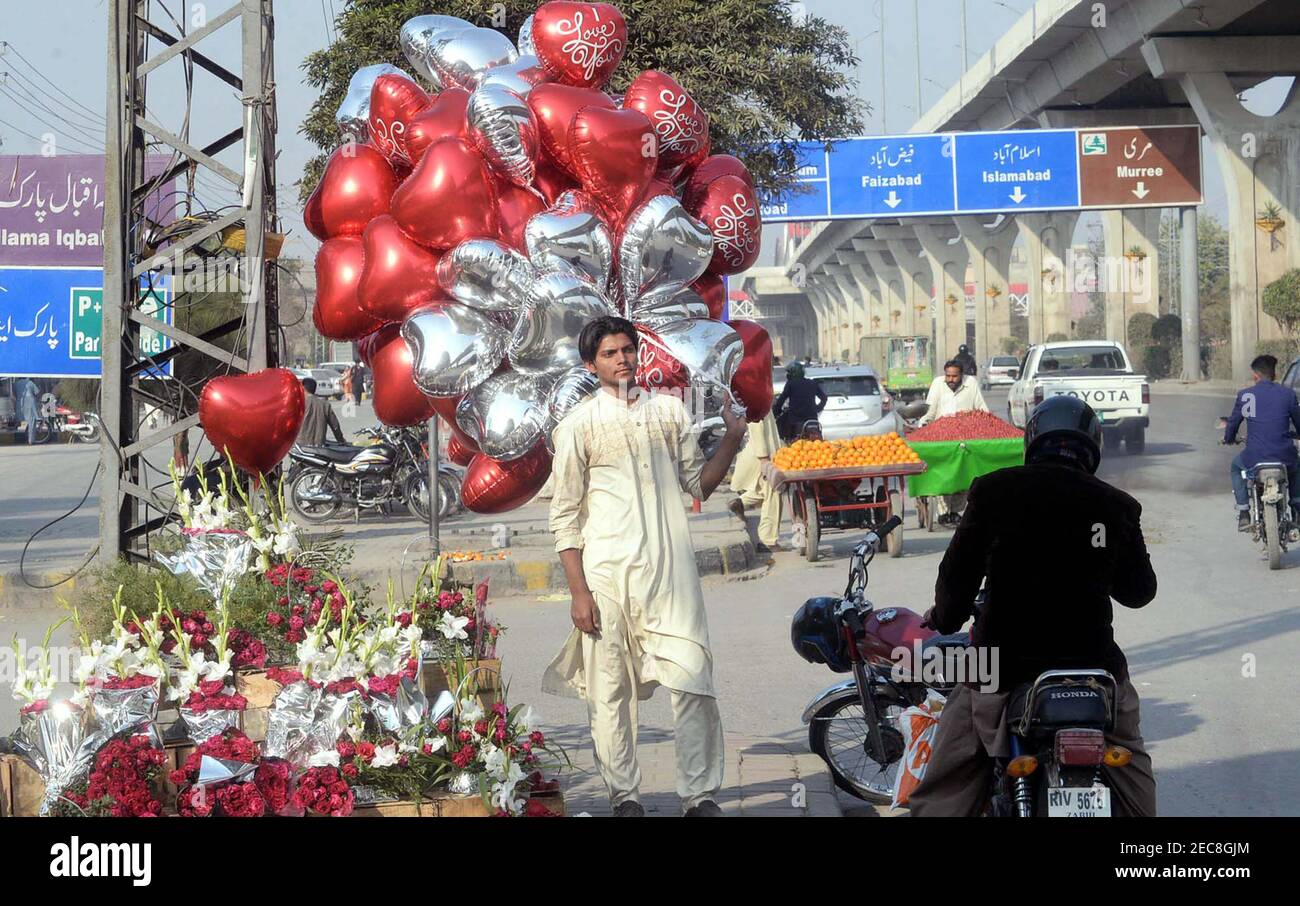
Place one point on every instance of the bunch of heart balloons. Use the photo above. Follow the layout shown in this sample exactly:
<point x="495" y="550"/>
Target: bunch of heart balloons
<point x="474" y="222"/>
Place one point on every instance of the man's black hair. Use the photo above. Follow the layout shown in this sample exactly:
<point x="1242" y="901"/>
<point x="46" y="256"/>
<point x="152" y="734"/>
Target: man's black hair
<point x="309" y="384"/>
<point x="953" y="363"/>
<point x="1265" y="366"/>
<point x="595" y="331"/>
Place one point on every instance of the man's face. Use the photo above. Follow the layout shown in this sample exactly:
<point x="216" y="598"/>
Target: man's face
<point x="615" y="363"/>
<point x="953" y="378"/>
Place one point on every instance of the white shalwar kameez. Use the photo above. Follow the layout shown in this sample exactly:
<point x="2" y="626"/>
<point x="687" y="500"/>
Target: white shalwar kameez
<point x="943" y="401"/>
<point x="619" y="473"/>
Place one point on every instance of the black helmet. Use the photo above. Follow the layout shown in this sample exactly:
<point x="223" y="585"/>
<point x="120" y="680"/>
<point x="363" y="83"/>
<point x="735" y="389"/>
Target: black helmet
<point x="794" y="369"/>
<point x="815" y="634"/>
<point x="1064" y="427"/>
<point x="963" y="348"/>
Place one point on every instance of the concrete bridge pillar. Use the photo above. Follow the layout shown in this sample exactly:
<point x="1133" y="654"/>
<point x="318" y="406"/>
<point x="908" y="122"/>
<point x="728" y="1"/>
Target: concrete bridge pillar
<point x="1047" y="241"/>
<point x="1260" y="159"/>
<point x="948" y="261"/>
<point x="1129" y="271"/>
<point x="990" y="256"/>
<point x="895" y="310"/>
<point x="917" y="283"/>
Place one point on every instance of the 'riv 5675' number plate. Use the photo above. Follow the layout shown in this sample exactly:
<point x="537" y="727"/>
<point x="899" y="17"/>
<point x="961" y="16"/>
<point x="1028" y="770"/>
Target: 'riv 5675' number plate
<point x="1078" y="802"/>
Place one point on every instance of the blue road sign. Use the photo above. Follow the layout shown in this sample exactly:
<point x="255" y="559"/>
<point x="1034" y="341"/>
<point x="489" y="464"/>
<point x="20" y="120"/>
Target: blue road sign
<point x="812" y="201"/>
<point x="50" y="321"/>
<point x="893" y="176"/>
<point x="1017" y="171"/>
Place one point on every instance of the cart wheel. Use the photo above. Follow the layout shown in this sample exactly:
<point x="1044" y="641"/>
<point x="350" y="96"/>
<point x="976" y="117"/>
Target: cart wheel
<point x="894" y="540"/>
<point x="814" y="529"/>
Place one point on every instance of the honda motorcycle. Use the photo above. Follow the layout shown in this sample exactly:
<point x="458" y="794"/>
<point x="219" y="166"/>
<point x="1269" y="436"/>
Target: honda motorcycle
<point x="394" y="470"/>
<point x="854" y="725"/>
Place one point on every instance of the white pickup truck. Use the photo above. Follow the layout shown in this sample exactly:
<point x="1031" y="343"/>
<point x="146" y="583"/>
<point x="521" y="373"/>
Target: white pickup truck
<point x="1096" y="371"/>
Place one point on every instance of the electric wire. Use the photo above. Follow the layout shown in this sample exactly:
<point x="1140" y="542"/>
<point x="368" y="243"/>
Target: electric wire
<point x="6" y="46"/>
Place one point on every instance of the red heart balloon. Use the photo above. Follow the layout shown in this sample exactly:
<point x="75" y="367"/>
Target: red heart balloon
<point x="752" y="383"/>
<point x="713" y="167"/>
<point x="555" y="106"/>
<point x="444" y="118"/>
<point x="496" y="487"/>
<point x="399" y="275"/>
<point x="253" y="417"/>
<point x="656" y="367"/>
<point x="395" y="101"/>
<point x="398" y="401"/>
<point x="713" y="291"/>
<point x="458" y="452"/>
<point x="729" y="208"/>
<point x="338" y="314"/>
<point x="579" y="43"/>
<point x="516" y="205"/>
<point x="357" y="186"/>
<point x="655" y="187"/>
<point x="450" y="197"/>
<point x="551" y="181"/>
<point x="445" y="406"/>
<point x="681" y="124"/>
<point x="614" y="158"/>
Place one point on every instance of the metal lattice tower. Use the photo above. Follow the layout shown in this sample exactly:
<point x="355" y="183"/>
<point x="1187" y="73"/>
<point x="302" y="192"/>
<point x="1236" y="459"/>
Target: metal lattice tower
<point x="137" y="46"/>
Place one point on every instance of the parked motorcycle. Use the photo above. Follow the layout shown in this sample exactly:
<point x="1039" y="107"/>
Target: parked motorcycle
<point x="854" y="725"/>
<point x="394" y="470"/>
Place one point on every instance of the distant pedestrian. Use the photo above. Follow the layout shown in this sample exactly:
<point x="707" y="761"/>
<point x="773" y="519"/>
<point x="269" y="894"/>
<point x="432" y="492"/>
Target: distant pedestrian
<point x="347" y="384"/>
<point x="320" y="416"/>
<point x="28" y="406"/>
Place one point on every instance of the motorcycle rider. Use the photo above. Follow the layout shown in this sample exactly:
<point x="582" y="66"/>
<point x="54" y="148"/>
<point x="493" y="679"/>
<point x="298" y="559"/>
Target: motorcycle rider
<point x="802" y="399"/>
<point x="1270" y="411"/>
<point x="967" y="360"/>
<point x="1056" y="544"/>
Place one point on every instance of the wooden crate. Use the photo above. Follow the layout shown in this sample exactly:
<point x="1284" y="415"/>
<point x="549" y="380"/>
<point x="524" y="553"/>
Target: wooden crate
<point x="21" y="788"/>
<point x="553" y="800"/>
<point x="485" y="684"/>
<point x="255" y="686"/>
<point x="254" y="721"/>
<point x="450" y="806"/>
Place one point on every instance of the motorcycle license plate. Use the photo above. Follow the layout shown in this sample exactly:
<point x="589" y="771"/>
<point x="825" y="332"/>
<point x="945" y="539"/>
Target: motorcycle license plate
<point x="1078" y="802"/>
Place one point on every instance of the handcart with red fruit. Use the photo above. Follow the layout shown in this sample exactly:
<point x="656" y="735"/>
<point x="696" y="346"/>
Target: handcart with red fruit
<point x="957" y="449"/>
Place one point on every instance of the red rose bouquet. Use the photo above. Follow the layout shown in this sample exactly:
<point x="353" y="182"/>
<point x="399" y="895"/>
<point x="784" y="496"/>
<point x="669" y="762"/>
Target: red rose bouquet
<point x="120" y="782"/>
<point x="324" y="791"/>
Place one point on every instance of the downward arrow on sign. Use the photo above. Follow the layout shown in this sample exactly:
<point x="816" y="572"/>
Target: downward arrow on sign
<point x="1018" y="196"/>
<point x="1141" y="191"/>
<point x="893" y="200"/>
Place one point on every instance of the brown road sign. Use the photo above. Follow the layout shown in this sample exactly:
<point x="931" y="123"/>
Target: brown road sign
<point x="1132" y="167"/>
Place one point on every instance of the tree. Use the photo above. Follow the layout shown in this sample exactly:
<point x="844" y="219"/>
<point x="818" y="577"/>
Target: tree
<point x="1282" y="301"/>
<point x="761" y="74"/>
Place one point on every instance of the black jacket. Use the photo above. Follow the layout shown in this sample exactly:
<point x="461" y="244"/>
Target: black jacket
<point x="805" y="399"/>
<point x="968" y="365"/>
<point x="1056" y="545"/>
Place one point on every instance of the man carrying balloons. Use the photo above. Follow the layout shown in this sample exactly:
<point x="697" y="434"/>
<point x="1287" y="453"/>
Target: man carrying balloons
<point x="623" y="458"/>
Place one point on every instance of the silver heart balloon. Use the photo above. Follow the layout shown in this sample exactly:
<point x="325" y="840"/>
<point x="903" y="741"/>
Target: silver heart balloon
<point x="565" y="239"/>
<point x="460" y="58"/>
<point x="525" y="41"/>
<point x="504" y="129"/>
<point x="711" y="352"/>
<point x="660" y="308"/>
<point x="545" y="340"/>
<point x="454" y="348"/>
<point x="663" y="247"/>
<point x="573" y="388"/>
<point x="521" y="76"/>
<point x="353" y="115"/>
<point x="486" y="274"/>
<point x="506" y="414"/>
<point x="417" y="37"/>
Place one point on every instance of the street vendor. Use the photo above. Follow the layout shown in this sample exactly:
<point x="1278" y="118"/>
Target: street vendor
<point x="954" y="392"/>
<point x="754" y="490"/>
<point x="623" y="458"/>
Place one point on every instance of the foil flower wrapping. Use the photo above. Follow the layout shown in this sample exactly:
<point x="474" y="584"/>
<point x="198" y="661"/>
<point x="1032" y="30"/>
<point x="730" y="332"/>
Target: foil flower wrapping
<point x="127" y="711"/>
<point x="204" y="725"/>
<point x="216" y="558"/>
<point x="332" y="717"/>
<point x="60" y="744"/>
<point x="403" y="711"/>
<point x="290" y="722"/>
<point x="463" y="783"/>
<point x="215" y="772"/>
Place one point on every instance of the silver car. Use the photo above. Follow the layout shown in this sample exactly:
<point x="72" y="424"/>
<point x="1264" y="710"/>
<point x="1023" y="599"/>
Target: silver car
<point x="856" y="404"/>
<point x="328" y="383"/>
<point x="1001" y="370"/>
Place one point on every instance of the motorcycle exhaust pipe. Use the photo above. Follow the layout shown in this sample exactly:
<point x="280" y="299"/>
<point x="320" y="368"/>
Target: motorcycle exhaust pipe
<point x="316" y="497"/>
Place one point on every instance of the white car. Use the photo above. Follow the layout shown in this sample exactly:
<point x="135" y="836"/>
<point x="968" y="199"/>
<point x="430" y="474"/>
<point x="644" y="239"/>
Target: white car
<point x="856" y="403"/>
<point x="1098" y="372"/>
<point x="328" y="382"/>
<point x="999" y="371"/>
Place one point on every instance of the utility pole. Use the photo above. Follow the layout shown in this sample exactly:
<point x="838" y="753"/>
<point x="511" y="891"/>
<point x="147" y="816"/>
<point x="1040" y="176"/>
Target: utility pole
<point x="916" y="37"/>
<point x="884" y="95"/>
<point x="134" y="260"/>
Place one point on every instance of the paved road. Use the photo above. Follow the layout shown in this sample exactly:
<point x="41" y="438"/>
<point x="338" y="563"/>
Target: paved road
<point x="1223" y="742"/>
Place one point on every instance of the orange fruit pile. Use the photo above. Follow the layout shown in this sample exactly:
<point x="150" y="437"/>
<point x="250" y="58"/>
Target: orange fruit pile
<point x="880" y="450"/>
<point x="472" y="556"/>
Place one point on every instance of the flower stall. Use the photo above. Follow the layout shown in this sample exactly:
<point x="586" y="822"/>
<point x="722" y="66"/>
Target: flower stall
<point x="251" y="684"/>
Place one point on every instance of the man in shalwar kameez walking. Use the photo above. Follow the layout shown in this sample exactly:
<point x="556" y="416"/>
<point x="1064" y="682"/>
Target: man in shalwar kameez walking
<point x="622" y="461"/>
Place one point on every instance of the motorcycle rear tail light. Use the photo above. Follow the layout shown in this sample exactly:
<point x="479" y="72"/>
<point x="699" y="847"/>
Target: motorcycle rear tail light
<point x="1117" y="756"/>
<point x="1080" y="748"/>
<point x="1022" y="766"/>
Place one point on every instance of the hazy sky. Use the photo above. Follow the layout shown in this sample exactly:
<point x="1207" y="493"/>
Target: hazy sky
<point x="63" y="41"/>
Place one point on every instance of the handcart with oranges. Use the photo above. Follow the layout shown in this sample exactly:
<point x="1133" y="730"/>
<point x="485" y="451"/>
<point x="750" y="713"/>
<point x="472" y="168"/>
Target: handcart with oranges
<point x="844" y="485"/>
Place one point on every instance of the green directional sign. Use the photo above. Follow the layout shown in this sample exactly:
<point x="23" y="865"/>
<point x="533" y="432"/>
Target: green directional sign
<point x="87" y="320"/>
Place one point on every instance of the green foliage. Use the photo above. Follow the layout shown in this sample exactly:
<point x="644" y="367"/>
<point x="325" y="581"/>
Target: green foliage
<point x="1155" y="361"/>
<point x="78" y="394"/>
<point x="759" y="75"/>
<point x="1010" y="346"/>
<point x="1220" y="367"/>
<point x="1167" y="331"/>
<point x="1139" y="329"/>
<point x="1282" y="300"/>
<point x="1285" y="351"/>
